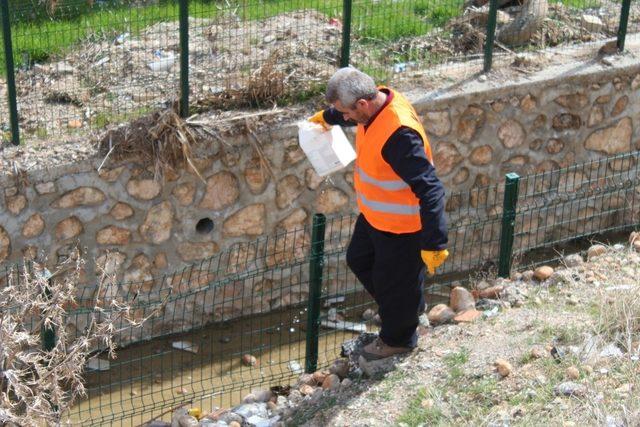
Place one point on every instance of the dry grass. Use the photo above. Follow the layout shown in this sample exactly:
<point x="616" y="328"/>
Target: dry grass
<point x="162" y="139"/>
<point x="38" y="386"/>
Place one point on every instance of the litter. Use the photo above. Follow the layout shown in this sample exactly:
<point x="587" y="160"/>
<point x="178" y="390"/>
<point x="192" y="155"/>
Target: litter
<point x="186" y="346"/>
<point x="344" y="325"/>
<point x="96" y="364"/>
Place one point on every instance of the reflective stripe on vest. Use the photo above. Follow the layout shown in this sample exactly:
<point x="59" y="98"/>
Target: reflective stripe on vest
<point x="391" y="185"/>
<point x="392" y="208"/>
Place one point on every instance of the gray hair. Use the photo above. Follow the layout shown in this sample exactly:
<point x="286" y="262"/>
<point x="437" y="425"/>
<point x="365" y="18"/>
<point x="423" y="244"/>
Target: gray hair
<point x="348" y="85"/>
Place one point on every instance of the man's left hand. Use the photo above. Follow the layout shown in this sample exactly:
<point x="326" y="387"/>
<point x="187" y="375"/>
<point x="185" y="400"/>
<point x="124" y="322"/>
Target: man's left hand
<point x="434" y="259"/>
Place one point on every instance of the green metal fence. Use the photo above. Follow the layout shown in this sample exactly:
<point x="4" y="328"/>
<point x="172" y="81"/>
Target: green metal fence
<point x="289" y="300"/>
<point x="74" y="67"/>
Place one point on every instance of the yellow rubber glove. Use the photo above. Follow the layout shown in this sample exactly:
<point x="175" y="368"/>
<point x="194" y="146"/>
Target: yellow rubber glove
<point x="434" y="259"/>
<point x="319" y="119"/>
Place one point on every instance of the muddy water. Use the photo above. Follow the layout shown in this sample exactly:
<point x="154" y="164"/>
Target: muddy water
<point x="149" y="378"/>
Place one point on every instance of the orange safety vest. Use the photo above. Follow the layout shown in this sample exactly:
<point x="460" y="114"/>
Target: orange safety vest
<point x="385" y="200"/>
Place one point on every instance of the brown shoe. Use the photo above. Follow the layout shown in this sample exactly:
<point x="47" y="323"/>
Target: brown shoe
<point x="377" y="350"/>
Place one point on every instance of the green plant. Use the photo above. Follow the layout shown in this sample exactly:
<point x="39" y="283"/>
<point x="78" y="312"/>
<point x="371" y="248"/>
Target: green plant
<point x="423" y="409"/>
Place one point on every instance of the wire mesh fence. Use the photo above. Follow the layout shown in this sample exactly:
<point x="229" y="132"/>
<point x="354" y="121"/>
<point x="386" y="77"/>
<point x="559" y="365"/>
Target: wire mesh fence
<point x="80" y="66"/>
<point x="245" y="318"/>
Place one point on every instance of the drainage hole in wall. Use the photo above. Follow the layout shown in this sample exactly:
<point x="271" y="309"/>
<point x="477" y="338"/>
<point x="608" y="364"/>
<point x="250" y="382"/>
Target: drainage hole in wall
<point x="204" y="226"/>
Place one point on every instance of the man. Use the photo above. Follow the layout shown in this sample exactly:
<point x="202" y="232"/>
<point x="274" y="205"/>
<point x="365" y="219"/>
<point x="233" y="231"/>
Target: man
<point x="401" y="200"/>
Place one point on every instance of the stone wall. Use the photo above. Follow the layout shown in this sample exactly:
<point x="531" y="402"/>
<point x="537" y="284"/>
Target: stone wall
<point x="149" y="227"/>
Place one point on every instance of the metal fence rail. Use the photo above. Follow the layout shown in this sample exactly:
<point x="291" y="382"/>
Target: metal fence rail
<point x="73" y="67"/>
<point x="290" y="300"/>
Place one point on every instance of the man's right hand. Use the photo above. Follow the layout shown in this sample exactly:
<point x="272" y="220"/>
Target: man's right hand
<point x="318" y="118"/>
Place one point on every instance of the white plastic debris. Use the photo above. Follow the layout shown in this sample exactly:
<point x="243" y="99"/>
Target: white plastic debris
<point x="295" y="367"/>
<point x="163" y="63"/>
<point x="186" y="346"/>
<point x="96" y="364"/>
<point x="344" y="325"/>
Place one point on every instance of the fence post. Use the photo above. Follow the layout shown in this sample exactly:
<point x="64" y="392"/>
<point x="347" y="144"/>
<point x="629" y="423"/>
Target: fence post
<point x="512" y="183"/>
<point x="315" y="292"/>
<point x="11" y="80"/>
<point x="346" y="33"/>
<point x="622" y="27"/>
<point x="47" y="334"/>
<point x="184" y="58"/>
<point x="491" y="35"/>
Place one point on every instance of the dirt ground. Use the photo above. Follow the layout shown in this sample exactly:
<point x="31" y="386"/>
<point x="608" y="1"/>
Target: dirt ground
<point x="569" y="357"/>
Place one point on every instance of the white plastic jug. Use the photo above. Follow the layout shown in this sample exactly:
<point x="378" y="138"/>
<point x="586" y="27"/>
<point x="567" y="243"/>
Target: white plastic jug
<point x="327" y="150"/>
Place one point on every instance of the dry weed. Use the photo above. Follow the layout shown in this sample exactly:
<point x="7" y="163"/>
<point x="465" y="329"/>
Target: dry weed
<point x="36" y="385"/>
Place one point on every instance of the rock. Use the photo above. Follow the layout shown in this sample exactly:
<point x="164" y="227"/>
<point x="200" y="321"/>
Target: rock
<point x="252" y="409"/>
<point x="306" y="379"/>
<point x="346" y="383"/>
<point x="615" y="139"/>
<point x="113" y="235"/>
<point x="312" y="180"/>
<point x="570" y="389"/>
<point x="16" y="204"/>
<point x="158" y="223"/>
<point x="511" y="134"/>
<point x="595" y="251"/>
<point x="572" y="373"/>
<point x="33" y="226"/>
<point x="295" y="221"/>
<point x="248" y="221"/>
<point x="68" y="228"/>
<point x="482" y="155"/>
<point x="633" y="237"/>
<point x="230" y="417"/>
<point x="368" y="314"/>
<point x="576" y="101"/>
<point x="470" y="123"/>
<point x="437" y="123"/>
<point x="111" y="175"/>
<point x="256" y="176"/>
<point x="461" y="176"/>
<point x="566" y="121"/>
<point x="143" y="189"/>
<point x="340" y="367"/>
<point x="440" y="314"/>
<point x="619" y="106"/>
<point x="121" y="211"/>
<point x="423" y="321"/>
<point x="376" y="368"/>
<point x="561" y="277"/>
<point x="503" y="367"/>
<point x="542" y="273"/>
<point x="184" y="193"/>
<point x="467" y="316"/>
<point x="592" y="23"/>
<point x="447" y="157"/>
<point x="554" y="146"/>
<point x="331" y="200"/>
<point x="461" y="299"/>
<point x="331" y="382"/>
<point x="306" y="389"/>
<point x="83" y="196"/>
<point x="249" y="360"/>
<point x="221" y="192"/>
<point x="43" y="188"/>
<point x="528" y="103"/>
<point x="194" y="251"/>
<point x="492" y="292"/>
<point x="596" y="116"/>
<point x="288" y="189"/>
<point x="262" y="396"/>
<point x="573" y="260"/>
<point x="319" y="376"/>
<point x="539" y="352"/>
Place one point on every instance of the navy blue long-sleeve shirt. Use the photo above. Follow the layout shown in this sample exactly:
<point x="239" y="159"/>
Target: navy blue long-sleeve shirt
<point x="404" y="152"/>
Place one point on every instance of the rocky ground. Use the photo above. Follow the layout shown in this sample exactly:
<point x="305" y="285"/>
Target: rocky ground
<point x="547" y="347"/>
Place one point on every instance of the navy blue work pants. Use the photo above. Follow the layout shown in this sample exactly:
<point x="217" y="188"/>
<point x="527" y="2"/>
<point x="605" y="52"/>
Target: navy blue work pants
<point x="390" y="268"/>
